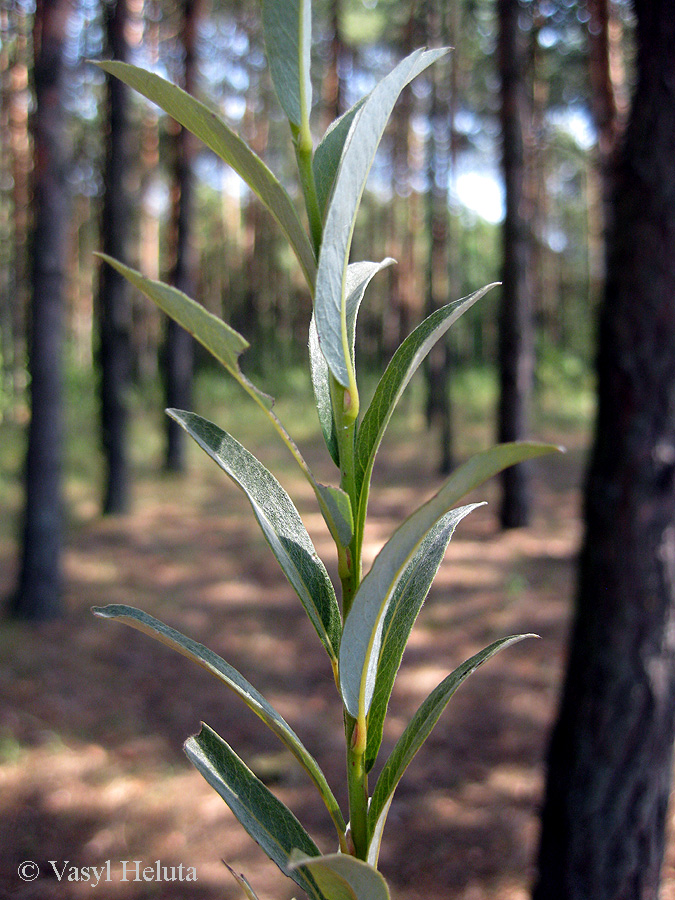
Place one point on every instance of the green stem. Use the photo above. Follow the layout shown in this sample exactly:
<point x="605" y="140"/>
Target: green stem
<point x="303" y="153"/>
<point x="350" y="576"/>
<point x="357" y="780"/>
<point x="349" y="561"/>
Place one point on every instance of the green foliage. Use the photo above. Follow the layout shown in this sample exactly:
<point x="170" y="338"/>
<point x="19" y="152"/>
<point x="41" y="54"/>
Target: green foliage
<point x="366" y="633"/>
<point x="343" y="877"/>
<point x="280" y="523"/>
<point x="269" y="822"/>
<point x="358" y="152"/>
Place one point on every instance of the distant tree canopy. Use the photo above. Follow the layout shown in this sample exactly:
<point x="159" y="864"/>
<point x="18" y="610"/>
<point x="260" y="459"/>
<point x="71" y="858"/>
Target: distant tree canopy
<point x="560" y="169"/>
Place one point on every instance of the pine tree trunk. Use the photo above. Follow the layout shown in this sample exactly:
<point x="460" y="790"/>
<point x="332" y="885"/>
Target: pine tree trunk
<point x="332" y="89"/>
<point x="179" y="350"/>
<point x="610" y="758"/>
<point x="39" y="591"/>
<point x="437" y="368"/>
<point x="15" y="151"/>
<point x="516" y="341"/>
<point x="114" y="308"/>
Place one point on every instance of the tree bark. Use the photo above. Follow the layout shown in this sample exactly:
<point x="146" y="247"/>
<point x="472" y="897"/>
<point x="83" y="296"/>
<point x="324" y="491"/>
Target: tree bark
<point x="516" y="340"/>
<point x="114" y="307"/>
<point x="610" y="756"/>
<point x="332" y="88"/>
<point x="607" y="81"/>
<point x="15" y="154"/>
<point x="437" y="368"/>
<point x="39" y="591"/>
<point x="179" y="350"/>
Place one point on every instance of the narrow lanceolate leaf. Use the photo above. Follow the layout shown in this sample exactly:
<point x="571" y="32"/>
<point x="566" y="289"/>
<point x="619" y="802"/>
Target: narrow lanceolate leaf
<point x="234" y="680"/>
<point x="362" y="634"/>
<point x="340" y="508"/>
<point x="243" y="883"/>
<point x="359" y="276"/>
<point x="359" y="151"/>
<point x="210" y="129"/>
<point x="226" y="345"/>
<point x="266" y="819"/>
<point x="280" y="523"/>
<point x="343" y="877"/>
<point x="321" y="385"/>
<point x="288" y="34"/>
<point x="223" y="342"/>
<point x="404" y="608"/>
<point x="419" y="729"/>
<point x="328" y="154"/>
<point x="395" y="379"/>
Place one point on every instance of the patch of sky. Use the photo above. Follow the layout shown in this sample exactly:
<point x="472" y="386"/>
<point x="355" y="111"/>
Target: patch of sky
<point x="557" y="240"/>
<point x="480" y="191"/>
<point x="234" y="107"/>
<point x="576" y="122"/>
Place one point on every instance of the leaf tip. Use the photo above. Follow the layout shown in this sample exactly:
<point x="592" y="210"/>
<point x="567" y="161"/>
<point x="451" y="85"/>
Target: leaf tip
<point x="111" y="611"/>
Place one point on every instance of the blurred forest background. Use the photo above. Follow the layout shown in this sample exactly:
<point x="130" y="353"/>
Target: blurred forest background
<point x="435" y="202"/>
<point x="498" y="165"/>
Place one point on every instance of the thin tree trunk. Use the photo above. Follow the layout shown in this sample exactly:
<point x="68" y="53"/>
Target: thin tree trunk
<point x="179" y="348"/>
<point x="608" y="91"/>
<point x="401" y="234"/>
<point x="332" y="85"/>
<point x="17" y="164"/>
<point x="516" y="343"/>
<point x="114" y="308"/>
<point x="39" y="591"/>
<point x="6" y="212"/>
<point x="610" y="758"/>
<point x="437" y="369"/>
<point x="147" y="324"/>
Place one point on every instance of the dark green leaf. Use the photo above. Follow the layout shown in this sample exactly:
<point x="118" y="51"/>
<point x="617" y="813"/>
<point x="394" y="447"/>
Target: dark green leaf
<point x="403" y="610"/>
<point x="223" y="342"/>
<point x="361" y="636"/>
<point x="395" y="379"/>
<point x="266" y="819"/>
<point x="329" y="153"/>
<point x="359" y="151"/>
<point x="359" y="276"/>
<point x="342" y="877"/>
<point x="340" y="508"/>
<point x="417" y="732"/>
<point x="243" y="883"/>
<point x="234" y="680"/>
<point x="288" y="36"/>
<point x="280" y="522"/>
<point x="321" y="385"/>
<point x="210" y="129"/>
<point x="361" y="645"/>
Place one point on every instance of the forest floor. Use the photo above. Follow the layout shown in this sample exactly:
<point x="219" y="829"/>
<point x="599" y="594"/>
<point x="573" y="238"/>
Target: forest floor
<point x="93" y="714"/>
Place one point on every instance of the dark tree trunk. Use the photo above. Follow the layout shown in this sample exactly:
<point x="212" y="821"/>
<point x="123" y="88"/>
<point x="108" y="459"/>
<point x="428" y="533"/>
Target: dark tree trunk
<point x="114" y="308"/>
<point x="516" y="342"/>
<point x="607" y="103"/>
<point x="39" y="591"/>
<point x="437" y="368"/>
<point x="332" y="85"/>
<point x="610" y="759"/>
<point x="179" y="350"/>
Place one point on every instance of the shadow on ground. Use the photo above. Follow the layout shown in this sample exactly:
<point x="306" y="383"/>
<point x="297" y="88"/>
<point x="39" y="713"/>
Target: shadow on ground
<point x="94" y="714"/>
